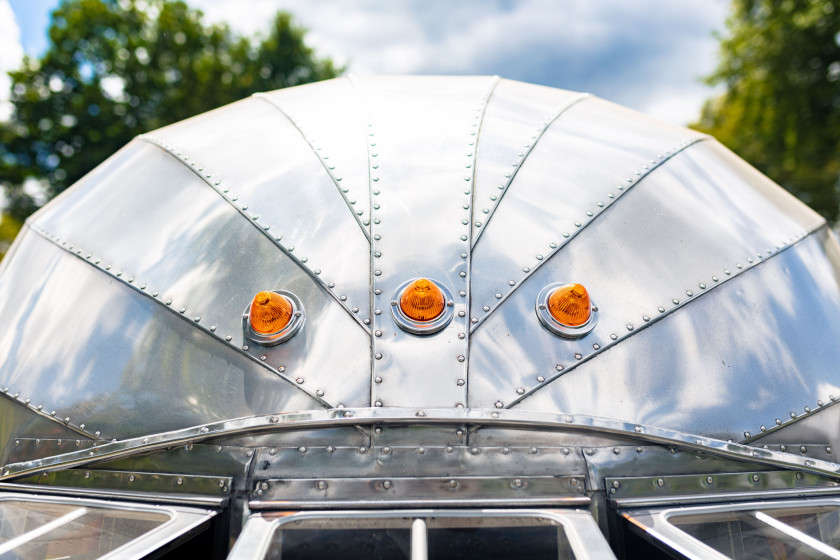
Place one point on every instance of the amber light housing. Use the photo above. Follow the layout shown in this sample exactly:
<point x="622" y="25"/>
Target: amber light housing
<point x="422" y="306"/>
<point x="566" y="310"/>
<point x="273" y="317"/>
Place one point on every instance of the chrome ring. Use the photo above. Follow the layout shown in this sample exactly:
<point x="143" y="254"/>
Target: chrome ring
<point x="422" y="327"/>
<point x="287" y="332"/>
<point x="561" y="330"/>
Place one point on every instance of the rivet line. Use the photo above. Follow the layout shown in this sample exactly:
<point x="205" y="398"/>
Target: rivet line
<point x="521" y="156"/>
<point x="39" y="409"/>
<point x="620" y="335"/>
<point x="785" y="420"/>
<point x="323" y="158"/>
<point x="167" y="303"/>
<point x="277" y="239"/>
<point x="565" y="236"/>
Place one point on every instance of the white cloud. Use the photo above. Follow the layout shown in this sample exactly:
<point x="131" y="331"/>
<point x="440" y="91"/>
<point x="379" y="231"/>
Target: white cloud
<point x="11" y="54"/>
<point x="648" y="55"/>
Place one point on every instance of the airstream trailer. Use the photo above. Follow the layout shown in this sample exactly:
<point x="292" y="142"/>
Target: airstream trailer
<point x="421" y="317"/>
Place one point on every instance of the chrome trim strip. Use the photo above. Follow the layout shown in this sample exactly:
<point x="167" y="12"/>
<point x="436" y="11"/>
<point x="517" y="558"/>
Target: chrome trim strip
<point x="150" y="497"/>
<point x="265" y="505"/>
<point x="411" y="416"/>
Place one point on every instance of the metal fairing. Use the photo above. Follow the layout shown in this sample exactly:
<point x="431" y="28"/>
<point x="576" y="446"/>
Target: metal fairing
<point x="126" y="372"/>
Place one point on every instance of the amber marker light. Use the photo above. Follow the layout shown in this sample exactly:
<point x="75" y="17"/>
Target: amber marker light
<point x="273" y="317"/>
<point x="422" y="306"/>
<point x="422" y="300"/>
<point x="566" y="310"/>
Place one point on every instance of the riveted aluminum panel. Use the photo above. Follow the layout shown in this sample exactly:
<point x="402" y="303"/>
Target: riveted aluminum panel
<point x="586" y="160"/>
<point x="330" y="116"/>
<point x="760" y="347"/>
<point x="115" y="362"/>
<point x="695" y="222"/>
<point x="516" y="117"/>
<point x="145" y="219"/>
<point x="421" y="135"/>
<point x="256" y="158"/>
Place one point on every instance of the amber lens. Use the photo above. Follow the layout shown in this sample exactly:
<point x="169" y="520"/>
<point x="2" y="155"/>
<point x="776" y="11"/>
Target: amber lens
<point x="422" y="300"/>
<point x="270" y="313"/>
<point x="570" y="305"/>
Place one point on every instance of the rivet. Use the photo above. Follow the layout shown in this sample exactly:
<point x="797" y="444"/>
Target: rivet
<point x="377" y="404"/>
<point x="474" y="450"/>
<point x="540" y="378"/>
<point x="709" y="480"/>
<point x="715" y="279"/>
<point x="778" y="421"/>
<point x="629" y="327"/>
<point x="377" y="380"/>
<point x="486" y="308"/>
<point x="499" y="404"/>
<point x="462" y="314"/>
<point x="702" y="286"/>
<point x="755" y="478"/>
<point x="299" y="380"/>
<point x="590" y="451"/>
<point x="645" y="318"/>
<point x="520" y="391"/>
<point x="783" y="448"/>
<point x="378" y="356"/>
<point x="526" y="269"/>
<point x="559" y="367"/>
<point x="131" y="478"/>
<point x="803" y="449"/>
<point x="596" y="346"/>
<point x="746" y="434"/>
<point x="386" y="450"/>
<point x="460" y="383"/>
<point x="660" y="482"/>
<point x="675" y="301"/>
<point x="616" y="450"/>
<point x="448" y="449"/>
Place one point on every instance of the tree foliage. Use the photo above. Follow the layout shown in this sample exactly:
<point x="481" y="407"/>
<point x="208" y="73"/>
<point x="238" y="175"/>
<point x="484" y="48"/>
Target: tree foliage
<point x="117" y="68"/>
<point x="780" y="63"/>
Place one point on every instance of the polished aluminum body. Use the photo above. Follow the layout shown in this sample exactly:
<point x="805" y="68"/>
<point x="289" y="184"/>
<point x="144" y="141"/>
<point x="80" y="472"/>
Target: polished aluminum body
<point x="714" y="350"/>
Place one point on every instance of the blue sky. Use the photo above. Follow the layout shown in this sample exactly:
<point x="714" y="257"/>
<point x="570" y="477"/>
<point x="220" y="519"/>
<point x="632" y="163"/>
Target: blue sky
<point x="647" y="54"/>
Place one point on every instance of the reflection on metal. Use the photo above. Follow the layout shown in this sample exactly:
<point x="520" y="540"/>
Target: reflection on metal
<point x="358" y="210"/>
<point x="522" y="153"/>
<point x="490" y="491"/>
<point x="581" y="532"/>
<point x="369" y="416"/>
<point x="762" y="517"/>
<point x="560" y="236"/>
<point x="289" y="330"/>
<point x="716" y="487"/>
<point x="215" y="183"/>
<point x="195" y="320"/>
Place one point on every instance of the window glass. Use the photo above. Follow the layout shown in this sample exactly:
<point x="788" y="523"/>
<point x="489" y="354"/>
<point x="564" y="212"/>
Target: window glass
<point x="38" y="530"/>
<point x="821" y="523"/>
<point x="739" y="535"/>
<point x="457" y="538"/>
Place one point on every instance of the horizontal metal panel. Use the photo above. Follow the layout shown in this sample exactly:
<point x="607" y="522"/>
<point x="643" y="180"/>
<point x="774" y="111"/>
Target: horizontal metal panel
<point x="558" y="490"/>
<point x="115" y="362"/>
<point x="148" y="221"/>
<point x="255" y="157"/>
<point x="758" y="348"/>
<point x="422" y="138"/>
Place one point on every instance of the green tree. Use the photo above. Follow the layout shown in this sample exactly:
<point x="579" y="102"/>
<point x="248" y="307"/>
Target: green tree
<point x="117" y="68"/>
<point x="780" y="63"/>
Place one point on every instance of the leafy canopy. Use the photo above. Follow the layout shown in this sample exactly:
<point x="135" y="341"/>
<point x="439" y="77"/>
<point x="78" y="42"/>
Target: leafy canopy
<point x="117" y="68"/>
<point x="780" y="63"/>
